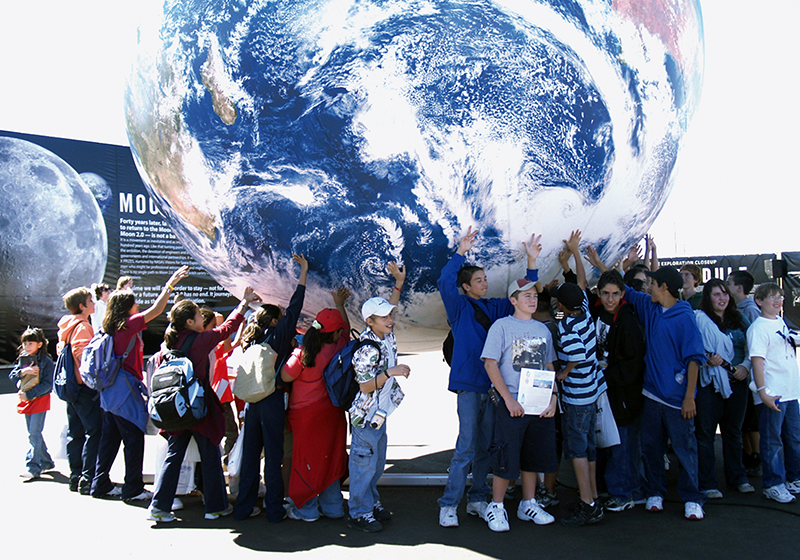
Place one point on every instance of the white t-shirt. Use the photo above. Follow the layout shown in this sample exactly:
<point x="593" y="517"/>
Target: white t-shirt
<point x="770" y="339"/>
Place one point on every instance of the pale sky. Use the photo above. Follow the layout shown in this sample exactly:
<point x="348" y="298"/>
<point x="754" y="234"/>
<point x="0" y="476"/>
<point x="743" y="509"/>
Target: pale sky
<point x="736" y="189"/>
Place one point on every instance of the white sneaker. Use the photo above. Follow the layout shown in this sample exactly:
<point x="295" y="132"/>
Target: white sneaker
<point x="713" y="494"/>
<point x="793" y="486"/>
<point x="477" y="508"/>
<point x="115" y="492"/>
<point x="779" y="493"/>
<point x="496" y="517"/>
<point x="160" y="516"/>
<point x="217" y="514"/>
<point x="530" y="510"/>
<point x="693" y="511"/>
<point x="145" y="495"/>
<point x="177" y="505"/>
<point x="654" y="504"/>
<point x="448" y="516"/>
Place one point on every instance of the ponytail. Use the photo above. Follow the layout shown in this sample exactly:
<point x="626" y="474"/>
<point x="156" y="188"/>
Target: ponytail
<point x="181" y="312"/>
<point x="263" y="320"/>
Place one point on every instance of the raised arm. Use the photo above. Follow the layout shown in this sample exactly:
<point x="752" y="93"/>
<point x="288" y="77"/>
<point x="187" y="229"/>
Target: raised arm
<point x="340" y="295"/>
<point x="532" y="249"/>
<point x="653" y="253"/>
<point x="634" y="255"/>
<point x="467" y="242"/>
<point x="160" y="304"/>
<point x="301" y="260"/>
<point x="594" y="259"/>
<point x="399" y="273"/>
<point x="573" y="244"/>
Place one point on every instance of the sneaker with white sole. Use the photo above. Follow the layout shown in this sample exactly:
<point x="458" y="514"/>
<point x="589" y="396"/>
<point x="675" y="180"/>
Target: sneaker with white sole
<point x="545" y="498"/>
<point x="217" y="514"/>
<point x="793" y="486"/>
<point x="477" y="508"/>
<point x="746" y="488"/>
<point x="448" y="516"/>
<point x="144" y="495"/>
<point x="177" y="505"/>
<point x="693" y="511"/>
<point x="496" y="517"/>
<point x="713" y="494"/>
<point x="654" y="504"/>
<point x="618" y="504"/>
<point x="160" y="515"/>
<point x="779" y="493"/>
<point x="530" y="510"/>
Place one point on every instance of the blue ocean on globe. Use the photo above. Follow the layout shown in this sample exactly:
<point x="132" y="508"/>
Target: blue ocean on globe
<point x="358" y="132"/>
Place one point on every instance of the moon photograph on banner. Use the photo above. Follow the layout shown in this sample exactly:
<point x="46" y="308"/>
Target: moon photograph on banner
<point x="358" y="133"/>
<point x="52" y="235"/>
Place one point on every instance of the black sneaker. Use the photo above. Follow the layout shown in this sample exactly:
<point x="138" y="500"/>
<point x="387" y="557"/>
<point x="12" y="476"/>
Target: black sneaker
<point x="366" y="523"/>
<point x="584" y="514"/>
<point x="546" y="498"/>
<point x="73" y="484"/>
<point x="381" y="513"/>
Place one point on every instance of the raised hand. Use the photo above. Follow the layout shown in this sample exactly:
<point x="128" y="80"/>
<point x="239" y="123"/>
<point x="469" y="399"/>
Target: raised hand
<point x="399" y="272"/>
<point x="178" y="275"/>
<point x="340" y="295"/>
<point x="467" y="242"/>
<point x="533" y="247"/>
<point x="574" y="242"/>
<point x="301" y="260"/>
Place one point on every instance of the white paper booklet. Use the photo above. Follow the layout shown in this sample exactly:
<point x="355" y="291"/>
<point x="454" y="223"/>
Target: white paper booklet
<point x="535" y="389"/>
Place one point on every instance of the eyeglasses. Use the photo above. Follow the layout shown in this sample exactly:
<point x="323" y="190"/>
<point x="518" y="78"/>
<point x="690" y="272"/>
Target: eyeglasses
<point x="612" y="295"/>
<point x="775" y="298"/>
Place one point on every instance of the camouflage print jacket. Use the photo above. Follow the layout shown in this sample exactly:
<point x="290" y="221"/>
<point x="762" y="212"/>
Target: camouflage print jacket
<point x="368" y="363"/>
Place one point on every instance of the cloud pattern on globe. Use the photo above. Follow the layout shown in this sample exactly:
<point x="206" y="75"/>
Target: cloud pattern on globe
<point x="357" y="132"/>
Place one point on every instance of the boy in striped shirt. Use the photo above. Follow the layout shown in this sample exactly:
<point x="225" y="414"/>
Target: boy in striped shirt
<point x="581" y="383"/>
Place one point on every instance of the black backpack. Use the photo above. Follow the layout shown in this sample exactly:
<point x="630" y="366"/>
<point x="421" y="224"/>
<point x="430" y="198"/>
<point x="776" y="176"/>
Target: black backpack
<point x="340" y="375"/>
<point x="483" y="320"/>
<point x="177" y="397"/>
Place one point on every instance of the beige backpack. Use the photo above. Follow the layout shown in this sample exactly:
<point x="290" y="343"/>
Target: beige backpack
<point x="255" y="378"/>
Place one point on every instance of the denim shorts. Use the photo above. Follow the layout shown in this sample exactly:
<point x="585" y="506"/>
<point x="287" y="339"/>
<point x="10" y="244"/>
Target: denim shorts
<point x="524" y="443"/>
<point x="578" y="423"/>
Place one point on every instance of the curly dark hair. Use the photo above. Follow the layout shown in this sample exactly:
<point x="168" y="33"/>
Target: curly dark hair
<point x="731" y="318"/>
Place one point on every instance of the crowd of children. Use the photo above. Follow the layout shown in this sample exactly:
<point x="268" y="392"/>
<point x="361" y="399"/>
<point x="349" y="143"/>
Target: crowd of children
<point x="647" y="355"/>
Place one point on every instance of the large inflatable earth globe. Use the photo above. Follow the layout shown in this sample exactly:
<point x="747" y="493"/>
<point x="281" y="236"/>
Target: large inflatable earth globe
<point x="358" y="132"/>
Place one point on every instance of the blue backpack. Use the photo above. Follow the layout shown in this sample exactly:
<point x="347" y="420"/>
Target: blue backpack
<point x="340" y="375"/>
<point x="99" y="364"/>
<point x="177" y="397"/>
<point x="65" y="384"/>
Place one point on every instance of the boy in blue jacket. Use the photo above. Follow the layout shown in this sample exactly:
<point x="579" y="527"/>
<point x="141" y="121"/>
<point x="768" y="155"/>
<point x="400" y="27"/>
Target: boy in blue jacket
<point x="468" y="378"/>
<point x="674" y="354"/>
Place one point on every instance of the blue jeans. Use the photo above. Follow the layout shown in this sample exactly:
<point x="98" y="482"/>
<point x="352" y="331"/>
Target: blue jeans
<point x="367" y="461"/>
<point x="117" y="430"/>
<point x="37" y="459"/>
<point x="84" y="429"/>
<point x="623" y="469"/>
<point x="330" y="501"/>
<point x="215" y="496"/>
<point x="780" y="431"/>
<point x="712" y="409"/>
<point x="578" y="426"/>
<point x="475" y="432"/>
<point x="660" y="422"/>
<point x="264" y="421"/>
